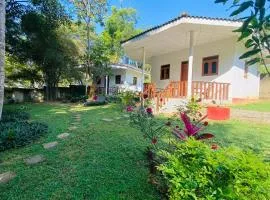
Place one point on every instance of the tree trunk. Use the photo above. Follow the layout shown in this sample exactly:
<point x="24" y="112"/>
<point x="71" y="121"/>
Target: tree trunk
<point x="2" y="54"/>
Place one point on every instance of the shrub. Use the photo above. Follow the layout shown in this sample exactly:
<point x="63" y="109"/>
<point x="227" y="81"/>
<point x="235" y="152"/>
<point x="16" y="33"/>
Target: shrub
<point x="16" y="131"/>
<point x="95" y="103"/>
<point x="78" y="99"/>
<point x="195" y="171"/>
<point x="192" y="108"/>
<point x="151" y="128"/>
<point x="13" y="116"/>
<point x="129" y="98"/>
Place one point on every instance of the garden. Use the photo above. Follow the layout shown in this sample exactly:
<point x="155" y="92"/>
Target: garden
<point x="121" y="150"/>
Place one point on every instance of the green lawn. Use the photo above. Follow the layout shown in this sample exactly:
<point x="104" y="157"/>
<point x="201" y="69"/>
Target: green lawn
<point x="261" y="106"/>
<point x="101" y="160"/>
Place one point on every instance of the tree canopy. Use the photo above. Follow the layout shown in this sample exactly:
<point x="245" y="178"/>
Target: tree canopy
<point x="255" y="31"/>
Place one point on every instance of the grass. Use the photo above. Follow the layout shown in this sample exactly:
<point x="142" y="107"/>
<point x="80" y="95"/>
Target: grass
<point x="243" y="134"/>
<point x="261" y="106"/>
<point x="100" y="160"/>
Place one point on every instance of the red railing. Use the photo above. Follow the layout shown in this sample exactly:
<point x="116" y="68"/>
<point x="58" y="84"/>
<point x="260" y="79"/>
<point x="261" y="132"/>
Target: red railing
<point x="178" y="89"/>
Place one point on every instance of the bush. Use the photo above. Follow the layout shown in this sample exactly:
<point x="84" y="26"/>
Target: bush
<point x="195" y="171"/>
<point x="78" y="99"/>
<point x="16" y="131"/>
<point x="129" y="98"/>
<point x="95" y="103"/>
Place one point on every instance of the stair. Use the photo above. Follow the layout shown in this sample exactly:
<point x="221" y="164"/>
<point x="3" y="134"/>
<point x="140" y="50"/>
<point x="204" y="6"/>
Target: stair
<point x="172" y="105"/>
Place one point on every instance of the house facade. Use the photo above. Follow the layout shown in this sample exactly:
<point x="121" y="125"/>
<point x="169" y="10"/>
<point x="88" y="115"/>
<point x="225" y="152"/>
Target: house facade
<point x="126" y="75"/>
<point x="196" y="56"/>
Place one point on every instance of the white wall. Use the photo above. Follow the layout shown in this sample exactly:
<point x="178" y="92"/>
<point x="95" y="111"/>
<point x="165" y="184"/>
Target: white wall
<point x="231" y="69"/>
<point x="126" y="79"/>
<point x="244" y="87"/>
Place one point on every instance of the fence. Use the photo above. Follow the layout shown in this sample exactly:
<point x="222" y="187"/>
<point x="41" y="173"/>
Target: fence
<point x="38" y="95"/>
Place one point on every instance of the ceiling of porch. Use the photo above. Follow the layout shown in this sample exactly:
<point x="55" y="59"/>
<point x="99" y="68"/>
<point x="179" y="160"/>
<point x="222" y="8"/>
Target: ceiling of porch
<point x="175" y="36"/>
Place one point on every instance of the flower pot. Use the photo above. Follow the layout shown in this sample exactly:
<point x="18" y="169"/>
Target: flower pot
<point x="218" y="113"/>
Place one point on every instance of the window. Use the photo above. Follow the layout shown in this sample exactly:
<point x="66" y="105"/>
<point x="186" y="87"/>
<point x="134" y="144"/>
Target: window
<point x="134" y="80"/>
<point x="118" y="79"/>
<point x="165" y="72"/>
<point x="246" y="71"/>
<point x="210" y="66"/>
<point x="98" y="80"/>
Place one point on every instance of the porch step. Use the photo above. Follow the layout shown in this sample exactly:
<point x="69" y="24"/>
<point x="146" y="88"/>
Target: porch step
<point x="172" y="105"/>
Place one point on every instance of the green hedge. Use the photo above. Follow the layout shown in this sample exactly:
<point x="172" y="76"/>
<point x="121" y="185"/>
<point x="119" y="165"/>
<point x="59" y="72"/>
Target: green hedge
<point x="195" y="171"/>
<point x="16" y="131"/>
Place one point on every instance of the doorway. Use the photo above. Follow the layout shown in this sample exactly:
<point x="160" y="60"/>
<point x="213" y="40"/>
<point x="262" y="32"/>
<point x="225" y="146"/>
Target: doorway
<point x="184" y="71"/>
<point x="184" y="77"/>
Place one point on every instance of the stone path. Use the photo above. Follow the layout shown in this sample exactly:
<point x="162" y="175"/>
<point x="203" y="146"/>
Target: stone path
<point x="63" y="136"/>
<point x="253" y="116"/>
<point x="6" y="177"/>
<point x="50" y="145"/>
<point x="34" y="160"/>
<point x="107" y="120"/>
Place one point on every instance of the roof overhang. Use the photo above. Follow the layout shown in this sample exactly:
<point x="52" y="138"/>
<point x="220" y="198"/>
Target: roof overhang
<point x="174" y="35"/>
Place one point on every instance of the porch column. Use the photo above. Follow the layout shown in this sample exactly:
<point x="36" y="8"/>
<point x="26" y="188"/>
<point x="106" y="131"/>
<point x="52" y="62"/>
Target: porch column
<point x="142" y="82"/>
<point x="143" y="68"/>
<point x="190" y="64"/>
<point x="106" y="85"/>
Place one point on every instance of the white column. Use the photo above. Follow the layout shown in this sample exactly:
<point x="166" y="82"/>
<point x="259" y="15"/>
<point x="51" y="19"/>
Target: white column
<point x="143" y="68"/>
<point x="106" y="85"/>
<point x="190" y="63"/>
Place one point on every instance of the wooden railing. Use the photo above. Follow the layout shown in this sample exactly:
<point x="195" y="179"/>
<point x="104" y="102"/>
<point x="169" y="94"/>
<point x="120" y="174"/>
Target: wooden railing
<point x="210" y="90"/>
<point x="178" y="89"/>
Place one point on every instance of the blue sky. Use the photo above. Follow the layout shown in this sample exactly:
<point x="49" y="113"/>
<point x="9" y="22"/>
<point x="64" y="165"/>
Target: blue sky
<point x="154" y="12"/>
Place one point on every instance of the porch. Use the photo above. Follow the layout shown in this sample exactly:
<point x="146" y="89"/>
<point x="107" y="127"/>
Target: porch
<point x="214" y="91"/>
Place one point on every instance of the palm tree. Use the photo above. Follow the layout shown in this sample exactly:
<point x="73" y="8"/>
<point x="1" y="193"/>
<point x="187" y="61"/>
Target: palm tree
<point x="2" y="53"/>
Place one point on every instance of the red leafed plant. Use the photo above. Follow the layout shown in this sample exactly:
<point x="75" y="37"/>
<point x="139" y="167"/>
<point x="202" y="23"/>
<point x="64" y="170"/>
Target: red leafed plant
<point x="192" y="129"/>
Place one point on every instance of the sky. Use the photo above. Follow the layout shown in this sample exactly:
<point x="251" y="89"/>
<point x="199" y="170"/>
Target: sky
<point x="155" y="12"/>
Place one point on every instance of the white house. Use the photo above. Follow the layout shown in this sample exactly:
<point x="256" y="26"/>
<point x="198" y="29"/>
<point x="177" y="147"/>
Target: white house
<point x="124" y="76"/>
<point x="195" y="56"/>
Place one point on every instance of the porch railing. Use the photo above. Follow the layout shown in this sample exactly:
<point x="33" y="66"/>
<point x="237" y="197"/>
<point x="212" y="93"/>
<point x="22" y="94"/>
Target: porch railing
<point x="178" y="89"/>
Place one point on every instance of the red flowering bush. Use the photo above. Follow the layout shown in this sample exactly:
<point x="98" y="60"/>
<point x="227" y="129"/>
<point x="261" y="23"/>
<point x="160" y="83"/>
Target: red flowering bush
<point x="95" y="97"/>
<point x="149" y="111"/>
<point x="129" y="109"/>
<point x="151" y="128"/>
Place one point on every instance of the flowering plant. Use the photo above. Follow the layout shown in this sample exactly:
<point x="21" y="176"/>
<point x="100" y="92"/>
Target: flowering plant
<point x="192" y="129"/>
<point x="144" y="120"/>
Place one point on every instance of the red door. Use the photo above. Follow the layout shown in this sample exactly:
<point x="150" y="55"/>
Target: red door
<point x="184" y="77"/>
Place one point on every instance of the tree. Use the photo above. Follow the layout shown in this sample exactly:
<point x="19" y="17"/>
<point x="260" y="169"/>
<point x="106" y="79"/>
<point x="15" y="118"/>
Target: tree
<point x="46" y="44"/>
<point x="255" y="30"/>
<point x="119" y="26"/>
<point x="2" y="54"/>
<point x="90" y="11"/>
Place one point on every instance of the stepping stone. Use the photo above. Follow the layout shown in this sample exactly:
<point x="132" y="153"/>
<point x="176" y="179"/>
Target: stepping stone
<point x="63" y="136"/>
<point x="74" y="123"/>
<point x="6" y="177"/>
<point x="50" y="145"/>
<point x="34" y="160"/>
<point x="126" y="115"/>
<point x="117" y="118"/>
<point x="72" y="128"/>
<point x="107" y="120"/>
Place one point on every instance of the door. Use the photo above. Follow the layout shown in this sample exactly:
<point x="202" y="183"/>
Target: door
<point x="184" y="78"/>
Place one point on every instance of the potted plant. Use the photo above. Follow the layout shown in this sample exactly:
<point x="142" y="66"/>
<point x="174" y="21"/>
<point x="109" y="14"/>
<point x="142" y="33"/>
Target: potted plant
<point x="218" y="112"/>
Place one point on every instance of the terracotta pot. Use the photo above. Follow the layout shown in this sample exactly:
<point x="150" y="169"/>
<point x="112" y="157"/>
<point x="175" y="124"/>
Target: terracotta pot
<point x="218" y="113"/>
